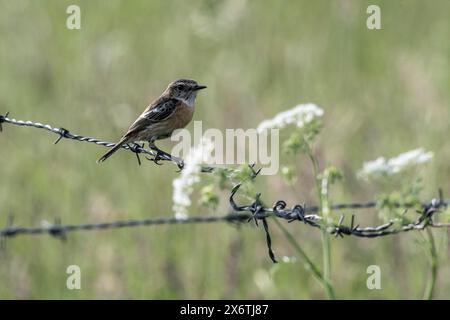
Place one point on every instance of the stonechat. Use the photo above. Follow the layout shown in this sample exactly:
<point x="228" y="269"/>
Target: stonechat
<point x="172" y="110"/>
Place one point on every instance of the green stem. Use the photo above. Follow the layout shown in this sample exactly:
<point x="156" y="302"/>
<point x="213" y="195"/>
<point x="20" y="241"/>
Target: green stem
<point x="327" y="264"/>
<point x="325" y="237"/>
<point x="429" y="289"/>
<point x="309" y="263"/>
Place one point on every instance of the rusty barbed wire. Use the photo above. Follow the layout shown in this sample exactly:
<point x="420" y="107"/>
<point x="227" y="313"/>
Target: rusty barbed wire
<point x="255" y="211"/>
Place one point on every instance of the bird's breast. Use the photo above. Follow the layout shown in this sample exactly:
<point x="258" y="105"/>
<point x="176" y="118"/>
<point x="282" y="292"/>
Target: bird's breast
<point x="182" y="116"/>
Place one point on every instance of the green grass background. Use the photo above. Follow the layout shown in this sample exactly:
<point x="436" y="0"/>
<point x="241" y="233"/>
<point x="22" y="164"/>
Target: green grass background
<point x="384" y="92"/>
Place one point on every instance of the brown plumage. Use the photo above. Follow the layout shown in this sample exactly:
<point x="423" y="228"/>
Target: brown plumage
<point x="172" y="110"/>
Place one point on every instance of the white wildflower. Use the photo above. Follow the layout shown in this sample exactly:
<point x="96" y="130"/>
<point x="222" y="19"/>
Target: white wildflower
<point x="409" y="158"/>
<point x="383" y="166"/>
<point x="183" y="185"/>
<point x="371" y="168"/>
<point x="300" y="115"/>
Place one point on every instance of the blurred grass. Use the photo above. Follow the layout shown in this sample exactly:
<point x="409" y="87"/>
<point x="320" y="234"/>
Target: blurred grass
<point x="383" y="92"/>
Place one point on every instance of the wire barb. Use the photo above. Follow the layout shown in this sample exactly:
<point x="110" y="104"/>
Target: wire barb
<point x="63" y="133"/>
<point x="3" y="119"/>
<point x="136" y="148"/>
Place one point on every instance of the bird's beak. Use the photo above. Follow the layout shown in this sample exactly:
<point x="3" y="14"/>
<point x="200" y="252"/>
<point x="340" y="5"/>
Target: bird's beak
<point x="199" y="87"/>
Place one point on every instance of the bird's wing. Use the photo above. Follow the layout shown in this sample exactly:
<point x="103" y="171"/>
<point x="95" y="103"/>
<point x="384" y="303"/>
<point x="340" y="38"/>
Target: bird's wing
<point x="161" y="110"/>
<point x="158" y="111"/>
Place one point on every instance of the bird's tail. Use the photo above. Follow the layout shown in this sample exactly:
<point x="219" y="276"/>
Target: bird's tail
<point x="116" y="147"/>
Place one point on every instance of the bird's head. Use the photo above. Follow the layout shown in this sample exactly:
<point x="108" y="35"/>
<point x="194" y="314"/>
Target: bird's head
<point x="185" y="90"/>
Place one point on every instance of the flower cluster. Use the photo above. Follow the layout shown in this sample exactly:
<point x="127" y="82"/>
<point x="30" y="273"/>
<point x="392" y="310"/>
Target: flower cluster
<point x="300" y="115"/>
<point x="183" y="185"/>
<point x="383" y="166"/>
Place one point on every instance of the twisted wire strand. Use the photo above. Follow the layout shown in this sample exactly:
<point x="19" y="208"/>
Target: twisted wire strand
<point x="243" y="214"/>
<point x="58" y="229"/>
<point x="254" y="211"/>
<point x="66" y="134"/>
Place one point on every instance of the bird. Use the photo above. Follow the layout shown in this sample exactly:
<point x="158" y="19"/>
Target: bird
<point x="173" y="110"/>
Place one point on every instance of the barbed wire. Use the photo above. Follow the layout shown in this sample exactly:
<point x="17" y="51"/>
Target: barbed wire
<point x="255" y="211"/>
<point x="298" y="213"/>
<point x="252" y="213"/>
<point x="66" y="134"/>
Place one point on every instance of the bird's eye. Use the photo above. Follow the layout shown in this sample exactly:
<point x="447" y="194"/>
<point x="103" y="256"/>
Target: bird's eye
<point x="180" y="87"/>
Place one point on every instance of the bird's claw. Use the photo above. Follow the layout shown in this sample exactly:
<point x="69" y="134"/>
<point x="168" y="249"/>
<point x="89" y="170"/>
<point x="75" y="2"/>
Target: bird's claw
<point x="161" y="155"/>
<point x="156" y="158"/>
<point x="180" y="164"/>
